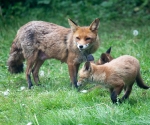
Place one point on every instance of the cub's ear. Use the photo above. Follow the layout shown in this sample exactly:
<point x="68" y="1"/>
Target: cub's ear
<point x="108" y="51"/>
<point x="104" y="58"/>
<point x="87" y="66"/>
<point x="73" y="25"/>
<point x="95" y="24"/>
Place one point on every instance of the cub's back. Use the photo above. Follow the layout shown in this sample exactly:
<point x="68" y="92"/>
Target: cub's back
<point x="124" y="60"/>
<point x="124" y="66"/>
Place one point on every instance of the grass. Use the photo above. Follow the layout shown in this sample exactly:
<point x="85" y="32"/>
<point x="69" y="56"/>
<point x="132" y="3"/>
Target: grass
<point x="56" y="103"/>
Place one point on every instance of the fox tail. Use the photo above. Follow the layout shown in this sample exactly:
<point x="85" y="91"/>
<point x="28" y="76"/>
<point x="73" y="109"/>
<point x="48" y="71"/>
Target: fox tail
<point x="140" y="82"/>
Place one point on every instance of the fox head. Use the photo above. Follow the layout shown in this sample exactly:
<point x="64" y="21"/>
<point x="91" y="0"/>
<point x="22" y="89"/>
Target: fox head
<point x="105" y="57"/>
<point x="85" y="74"/>
<point x="84" y="37"/>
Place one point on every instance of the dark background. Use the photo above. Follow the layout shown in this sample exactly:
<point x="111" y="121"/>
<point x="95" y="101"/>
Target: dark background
<point x="80" y="10"/>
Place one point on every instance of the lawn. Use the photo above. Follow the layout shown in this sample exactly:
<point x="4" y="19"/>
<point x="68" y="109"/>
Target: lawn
<point x="55" y="102"/>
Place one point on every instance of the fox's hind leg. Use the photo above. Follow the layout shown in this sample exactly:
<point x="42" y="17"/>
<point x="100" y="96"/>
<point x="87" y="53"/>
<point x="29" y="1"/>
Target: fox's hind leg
<point x="115" y="92"/>
<point x="30" y="62"/>
<point x="35" y="70"/>
<point x="127" y="92"/>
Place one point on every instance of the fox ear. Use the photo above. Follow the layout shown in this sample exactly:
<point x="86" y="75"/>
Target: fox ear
<point x="95" y="24"/>
<point x="108" y="51"/>
<point x="104" y="58"/>
<point x="73" y="25"/>
<point x="87" y="66"/>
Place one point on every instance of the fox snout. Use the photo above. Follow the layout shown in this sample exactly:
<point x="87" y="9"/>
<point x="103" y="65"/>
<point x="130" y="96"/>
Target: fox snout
<point x="79" y="84"/>
<point x="82" y="47"/>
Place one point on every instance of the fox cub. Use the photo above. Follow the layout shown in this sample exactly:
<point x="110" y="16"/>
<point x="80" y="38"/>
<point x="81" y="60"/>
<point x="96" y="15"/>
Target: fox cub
<point x="104" y="58"/>
<point x="37" y="41"/>
<point x="119" y="74"/>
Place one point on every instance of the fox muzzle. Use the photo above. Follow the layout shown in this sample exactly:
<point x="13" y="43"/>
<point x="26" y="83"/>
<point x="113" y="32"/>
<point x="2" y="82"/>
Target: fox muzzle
<point x="79" y="84"/>
<point x="82" y="47"/>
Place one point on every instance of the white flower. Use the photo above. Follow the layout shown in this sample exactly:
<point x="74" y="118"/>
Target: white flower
<point x="138" y="55"/>
<point x="6" y="92"/>
<point x="42" y="73"/>
<point x="30" y="123"/>
<point x="23" y="104"/>
<point x="22" y="88"/>
<point x="84" y="91"/>
<point x="135" y="32"/>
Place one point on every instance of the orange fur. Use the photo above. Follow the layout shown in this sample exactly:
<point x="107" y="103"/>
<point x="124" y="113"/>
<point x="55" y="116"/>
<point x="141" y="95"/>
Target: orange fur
<point x="37" y="41"/>
<point x="120" y="73"/>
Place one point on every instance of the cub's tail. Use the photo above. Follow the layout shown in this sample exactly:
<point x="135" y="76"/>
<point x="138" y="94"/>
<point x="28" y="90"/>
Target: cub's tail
<point x="16" y="58"/>
<point x="140" y="82"/>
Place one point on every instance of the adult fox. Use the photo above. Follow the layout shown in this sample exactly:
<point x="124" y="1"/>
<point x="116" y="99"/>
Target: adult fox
<point x="120" y="73"/>
<point x="37" y="41"/>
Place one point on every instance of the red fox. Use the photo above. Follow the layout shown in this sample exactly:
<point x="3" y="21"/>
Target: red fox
<point x="37" y="41"/>
<point x="120" y="73"/>
<point x="104" y="58"/>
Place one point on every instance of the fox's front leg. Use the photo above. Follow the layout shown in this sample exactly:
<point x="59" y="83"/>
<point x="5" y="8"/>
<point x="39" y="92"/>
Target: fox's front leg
<point x="73" y="70"/>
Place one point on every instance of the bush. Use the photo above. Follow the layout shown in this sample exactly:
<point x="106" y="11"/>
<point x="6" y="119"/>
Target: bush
<point x="107" y="10"/>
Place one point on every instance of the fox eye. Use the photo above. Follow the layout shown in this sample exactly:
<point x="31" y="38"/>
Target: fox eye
<point x="88" y="38"/>
<point x="77" y="38"/>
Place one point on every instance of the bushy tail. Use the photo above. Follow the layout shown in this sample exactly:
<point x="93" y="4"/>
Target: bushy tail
<point x="15" y="60"/>
<point x="140" y="82"/>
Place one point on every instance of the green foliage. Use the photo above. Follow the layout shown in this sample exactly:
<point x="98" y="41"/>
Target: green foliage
<point x="106" y="10"/>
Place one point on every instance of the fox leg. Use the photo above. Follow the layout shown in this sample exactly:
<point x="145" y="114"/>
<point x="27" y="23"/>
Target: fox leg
<point x="73" y="70"/>
<point x="28" y="72"/>
<point x="113" y="96"/>
<point x="115" y="92"/>
<point x="35" y="70"/>
<point x="127" y="92"/>
<point x="30" y="62"/>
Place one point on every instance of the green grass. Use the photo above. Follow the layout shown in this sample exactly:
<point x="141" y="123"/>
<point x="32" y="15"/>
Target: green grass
<point x="56" y="103"/>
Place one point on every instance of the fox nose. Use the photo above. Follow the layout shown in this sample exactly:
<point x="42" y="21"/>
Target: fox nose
<point x="79" y="84"/>
<point x="80" y="46"/>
